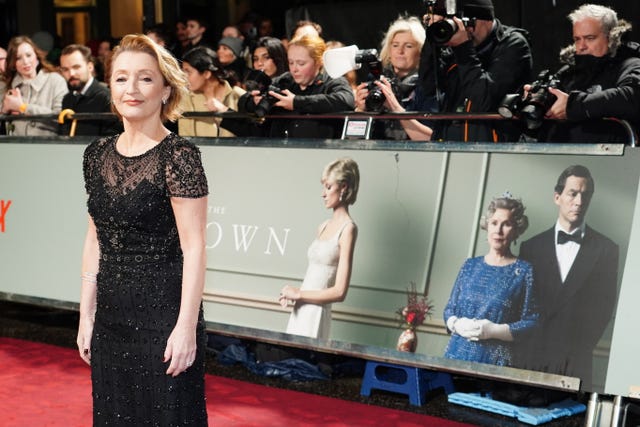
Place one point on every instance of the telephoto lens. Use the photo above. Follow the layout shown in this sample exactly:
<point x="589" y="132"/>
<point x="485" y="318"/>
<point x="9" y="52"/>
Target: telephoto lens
<point x="441" y="32"/>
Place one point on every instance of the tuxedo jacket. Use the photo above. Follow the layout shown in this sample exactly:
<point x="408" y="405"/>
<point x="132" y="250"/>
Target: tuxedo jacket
<point x="97" y="99"/>
<point x="573" y="314"/>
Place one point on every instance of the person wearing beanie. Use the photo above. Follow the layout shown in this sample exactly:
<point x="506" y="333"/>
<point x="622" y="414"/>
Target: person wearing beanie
<point x="477" y="66"/>
<point x="602" y="80"/>
<point x="230" y="56"/>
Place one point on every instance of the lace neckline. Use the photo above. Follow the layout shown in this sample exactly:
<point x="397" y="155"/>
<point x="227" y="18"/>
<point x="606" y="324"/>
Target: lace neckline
<point x="137" y="156"/>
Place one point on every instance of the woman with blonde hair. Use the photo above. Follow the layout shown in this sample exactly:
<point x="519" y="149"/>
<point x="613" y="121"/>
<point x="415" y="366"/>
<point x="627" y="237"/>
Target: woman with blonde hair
<point x="330" y="255"/>
<point x="397" y="90"/>
<point x="143" y="264"/>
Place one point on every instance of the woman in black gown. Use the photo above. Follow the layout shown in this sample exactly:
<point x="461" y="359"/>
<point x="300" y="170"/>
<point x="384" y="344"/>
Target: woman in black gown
<point x="141" y="324"/>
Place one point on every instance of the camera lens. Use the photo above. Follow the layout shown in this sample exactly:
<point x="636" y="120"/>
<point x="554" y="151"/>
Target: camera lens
<point x="533" y="115"/>
<point x="441" y="32"/>
<point x="375" y="100"/>
<point x="510" y="105"/>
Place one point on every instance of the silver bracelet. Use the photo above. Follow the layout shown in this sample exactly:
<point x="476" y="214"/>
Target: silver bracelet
<point x="89" y="277"/>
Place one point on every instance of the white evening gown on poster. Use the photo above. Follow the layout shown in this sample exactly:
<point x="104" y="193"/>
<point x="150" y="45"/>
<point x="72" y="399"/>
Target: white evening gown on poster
<point x="313" y="320"/>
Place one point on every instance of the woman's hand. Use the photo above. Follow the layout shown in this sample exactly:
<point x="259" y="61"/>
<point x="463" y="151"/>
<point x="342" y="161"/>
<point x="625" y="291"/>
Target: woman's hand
<point x="289" y="293"/>
<point x="497" y="331"/>
<point x="285" y="99"/>
<point x="181" y="350"/>
<point x="361" y="95"/>
<point x="215" y="105"/>
<point x="12" y="101"/>
<point x="85" y="331"/>
<point x="391" y="102"/>
<point x="255" y="95"/>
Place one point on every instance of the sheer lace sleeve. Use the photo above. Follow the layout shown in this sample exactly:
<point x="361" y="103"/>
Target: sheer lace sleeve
<point x="185" y="175"/>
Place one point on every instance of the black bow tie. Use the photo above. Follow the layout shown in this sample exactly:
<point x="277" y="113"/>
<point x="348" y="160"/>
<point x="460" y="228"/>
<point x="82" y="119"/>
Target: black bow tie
<point x="565" y="237"/>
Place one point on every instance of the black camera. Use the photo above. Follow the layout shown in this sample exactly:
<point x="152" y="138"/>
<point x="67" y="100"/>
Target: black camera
<point x="533" y="107"/>
<point x="258" y="80"/>
<point x="440" y="32"/>
<point x="369" y="61"/>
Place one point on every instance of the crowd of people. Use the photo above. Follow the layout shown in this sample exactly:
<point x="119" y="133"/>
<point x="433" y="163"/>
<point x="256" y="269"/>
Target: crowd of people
<point x="430" y="64"/>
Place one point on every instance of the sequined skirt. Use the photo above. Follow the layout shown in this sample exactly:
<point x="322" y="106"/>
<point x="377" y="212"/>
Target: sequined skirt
<point x="137" y="307"/>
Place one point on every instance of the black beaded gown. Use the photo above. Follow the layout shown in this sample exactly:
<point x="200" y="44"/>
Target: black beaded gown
<point x="139" y="284"/>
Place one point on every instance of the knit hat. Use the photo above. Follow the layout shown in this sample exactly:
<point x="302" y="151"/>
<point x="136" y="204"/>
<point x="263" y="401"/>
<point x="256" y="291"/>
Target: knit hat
<point x="233" y="43"/>
<point x="479" y="9"/>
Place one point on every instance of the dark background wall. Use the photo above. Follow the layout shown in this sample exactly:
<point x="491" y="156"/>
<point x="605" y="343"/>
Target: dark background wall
<point x="351" y="21"/>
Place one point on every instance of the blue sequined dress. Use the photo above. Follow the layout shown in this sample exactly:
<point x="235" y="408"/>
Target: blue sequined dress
<point x="500" y="294"/>
<point x="139" y="284"/>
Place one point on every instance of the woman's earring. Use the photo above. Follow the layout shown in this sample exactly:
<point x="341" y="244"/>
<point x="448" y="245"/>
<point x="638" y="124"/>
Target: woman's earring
<point x="164" y="101"/>
<point x="341" y="195"/>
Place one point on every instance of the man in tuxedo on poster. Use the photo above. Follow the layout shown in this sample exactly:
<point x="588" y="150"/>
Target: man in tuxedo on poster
<point x="575" y="281"/>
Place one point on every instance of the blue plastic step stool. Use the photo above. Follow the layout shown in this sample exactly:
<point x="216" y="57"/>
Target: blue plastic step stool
<point x="414" y="382"/>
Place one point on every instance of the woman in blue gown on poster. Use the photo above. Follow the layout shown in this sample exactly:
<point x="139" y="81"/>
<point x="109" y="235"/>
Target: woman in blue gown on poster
<point x="491" y="303"/>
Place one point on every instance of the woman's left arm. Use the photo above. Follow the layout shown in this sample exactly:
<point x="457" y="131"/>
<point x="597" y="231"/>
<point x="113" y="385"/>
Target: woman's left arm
<point x="191" y="216"/>
<point x="337" y="292"/>
<point x="336" y="96"/>
<point x="50" y="100"/>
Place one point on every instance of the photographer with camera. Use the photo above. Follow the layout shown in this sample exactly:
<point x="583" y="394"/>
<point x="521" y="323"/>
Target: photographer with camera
<point x="602" y="80"/>
<point x="394" y="88"/>
<point x="471" y="61"/>
<point x="305" y="89"/>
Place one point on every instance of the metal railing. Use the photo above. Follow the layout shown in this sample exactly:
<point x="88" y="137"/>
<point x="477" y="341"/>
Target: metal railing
<point x="69" y="116"/>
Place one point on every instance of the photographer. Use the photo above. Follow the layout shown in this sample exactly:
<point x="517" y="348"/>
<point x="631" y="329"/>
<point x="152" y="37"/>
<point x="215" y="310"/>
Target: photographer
<point x="395" y="91"/>
<point x="305" y="89"/>
<point x="481" y="63"/>
<point x="603" y="80"/>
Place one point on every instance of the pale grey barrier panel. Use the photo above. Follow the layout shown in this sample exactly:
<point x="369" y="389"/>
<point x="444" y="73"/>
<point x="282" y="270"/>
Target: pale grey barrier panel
<point x="417" y="213"/>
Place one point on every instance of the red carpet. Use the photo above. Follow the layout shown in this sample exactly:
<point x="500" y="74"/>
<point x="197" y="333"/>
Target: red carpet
<point x="44" y="385"/>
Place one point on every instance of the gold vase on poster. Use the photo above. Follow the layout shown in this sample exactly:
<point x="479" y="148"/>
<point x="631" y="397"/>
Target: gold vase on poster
<point x="408" y="340"/>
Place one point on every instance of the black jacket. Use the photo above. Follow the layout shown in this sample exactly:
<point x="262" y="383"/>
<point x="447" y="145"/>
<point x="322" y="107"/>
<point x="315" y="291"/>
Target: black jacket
<point x="474" y="79"/>
<point x="599" y="87"/>
<point x="97" y="99"/>
<point x="324" y="95"/>
<point x="573" y="313"/>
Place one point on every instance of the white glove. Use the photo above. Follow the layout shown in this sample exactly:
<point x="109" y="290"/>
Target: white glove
<point x="490" y="330"/>
<point x="466" y="328"/>
<point x="450" y="322"/>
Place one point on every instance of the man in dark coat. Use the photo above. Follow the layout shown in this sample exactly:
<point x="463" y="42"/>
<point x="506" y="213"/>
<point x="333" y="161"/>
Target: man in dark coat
<point x="472" y="72"/>
<point x="86" y="94"/>
<point x="603" y="80"/>
<point x="575" y="284"/>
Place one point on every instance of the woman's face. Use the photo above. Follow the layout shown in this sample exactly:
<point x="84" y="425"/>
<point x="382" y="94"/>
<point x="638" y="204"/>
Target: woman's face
<point x="405" y="53"/>
<point x="501" y="230"/>
<point x="263" y="62"/>
<point x="302" y="67"/>
<point x="331" y="193"/>
<point x="137" y="86"/>
<point x="26" y="61"/>
<point x="225" y="55"/>
<point x="196" y="79"/>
